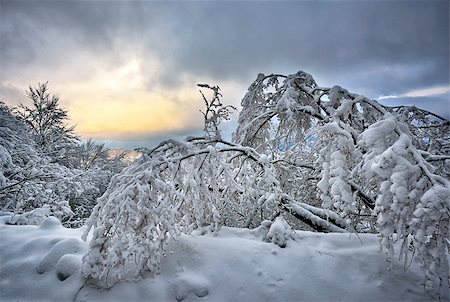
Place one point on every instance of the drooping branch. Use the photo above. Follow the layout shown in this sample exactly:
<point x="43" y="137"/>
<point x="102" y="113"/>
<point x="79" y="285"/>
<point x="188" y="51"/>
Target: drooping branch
<point x="368" y="201"/>
<point x="309" y="216"/>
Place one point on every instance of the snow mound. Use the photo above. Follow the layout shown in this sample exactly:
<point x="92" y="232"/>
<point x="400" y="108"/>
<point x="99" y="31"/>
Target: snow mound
<point x="67" y="266"/>
<point x="39" y="263"/>
<point x="280" y="232"/>
<point x="50" y="223"/>
<point x="53" y="256"/>
<point x="188" y="284"/>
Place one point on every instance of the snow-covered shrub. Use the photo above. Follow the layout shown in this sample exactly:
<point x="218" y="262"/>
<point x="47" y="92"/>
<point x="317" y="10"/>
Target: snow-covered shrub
<point x="174" y="188"/>
<point x="33" y="217"/>
<point x="280" y="232"/>
<point x="68" y="194"/>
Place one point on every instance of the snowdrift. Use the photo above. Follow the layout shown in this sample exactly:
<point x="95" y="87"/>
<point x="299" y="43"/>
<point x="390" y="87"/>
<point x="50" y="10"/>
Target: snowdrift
<point x="42" y="263"/>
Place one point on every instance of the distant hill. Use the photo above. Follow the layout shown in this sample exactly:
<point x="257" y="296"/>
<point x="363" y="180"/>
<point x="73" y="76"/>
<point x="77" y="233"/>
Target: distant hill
<point x="129" y="157"/>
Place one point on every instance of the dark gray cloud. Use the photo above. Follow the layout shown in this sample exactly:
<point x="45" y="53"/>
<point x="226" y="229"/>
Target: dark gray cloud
<point x="340" y="41"/>
<point x="392" y="46"/>
<point x="11" y="95"/>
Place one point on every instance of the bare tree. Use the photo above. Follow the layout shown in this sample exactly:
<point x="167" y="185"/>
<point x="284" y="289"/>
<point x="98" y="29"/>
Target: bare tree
<point x="48" y="123"/>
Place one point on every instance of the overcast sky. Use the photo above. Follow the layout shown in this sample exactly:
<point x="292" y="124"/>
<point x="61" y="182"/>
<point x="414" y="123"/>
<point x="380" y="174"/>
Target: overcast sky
<point x="126" y="71"/>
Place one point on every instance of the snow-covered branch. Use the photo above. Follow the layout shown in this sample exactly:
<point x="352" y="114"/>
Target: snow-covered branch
<point x="374" y="161"/>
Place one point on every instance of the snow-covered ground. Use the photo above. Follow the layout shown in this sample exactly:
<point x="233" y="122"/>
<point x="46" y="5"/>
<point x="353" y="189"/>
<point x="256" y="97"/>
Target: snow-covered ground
<point x="42" y="263"/>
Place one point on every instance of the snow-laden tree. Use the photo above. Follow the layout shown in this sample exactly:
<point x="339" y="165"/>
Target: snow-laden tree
<point x="47" y="122"/>
<point x="298" y="145"/>
<point x="27" y="180"/>
<point x="17" y="155"/>
<point x="201" y="183"/>
<point x="93" y="166"/>
<point x="33" y="186"/>
<point x="378" y="167"/>
<point x="90" y="155"/>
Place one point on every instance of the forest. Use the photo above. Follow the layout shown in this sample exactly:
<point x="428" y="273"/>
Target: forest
<point x="303" y="158"/>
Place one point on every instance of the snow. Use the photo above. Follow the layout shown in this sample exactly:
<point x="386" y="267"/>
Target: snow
<point x="42" y="263"/>
<point x="54" y="255"/>
<point x="280" y="232"/>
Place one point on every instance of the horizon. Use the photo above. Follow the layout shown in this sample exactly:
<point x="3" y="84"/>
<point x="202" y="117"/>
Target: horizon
<point x="127" y="71"/>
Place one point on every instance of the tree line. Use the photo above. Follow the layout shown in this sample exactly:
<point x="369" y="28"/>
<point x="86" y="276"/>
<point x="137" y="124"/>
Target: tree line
<point x="45" y="168"/>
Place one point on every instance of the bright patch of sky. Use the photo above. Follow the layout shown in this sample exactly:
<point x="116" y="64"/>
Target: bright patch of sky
<point x="432" y="91"/>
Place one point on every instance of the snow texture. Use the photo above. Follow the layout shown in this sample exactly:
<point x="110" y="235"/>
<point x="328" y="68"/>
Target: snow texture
<point x="234" y="265"/>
